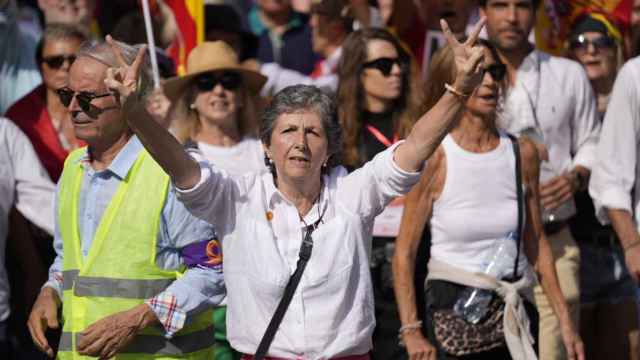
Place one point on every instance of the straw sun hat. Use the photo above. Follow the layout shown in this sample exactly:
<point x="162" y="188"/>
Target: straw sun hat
<point x="207" y="57"/>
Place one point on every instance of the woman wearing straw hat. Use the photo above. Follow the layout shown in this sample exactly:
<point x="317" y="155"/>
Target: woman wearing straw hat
<point x="308" y="213"/>
<point x="215" y="108"/>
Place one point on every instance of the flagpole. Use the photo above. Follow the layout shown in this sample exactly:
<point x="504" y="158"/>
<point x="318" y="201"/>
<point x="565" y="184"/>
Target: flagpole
<point x="152" y="43"/>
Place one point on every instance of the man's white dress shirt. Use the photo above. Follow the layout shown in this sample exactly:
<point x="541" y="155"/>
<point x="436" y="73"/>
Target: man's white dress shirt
<point x="25" y="184"/>
<point x="615" y="178"/>
<point x="552" y="102"/>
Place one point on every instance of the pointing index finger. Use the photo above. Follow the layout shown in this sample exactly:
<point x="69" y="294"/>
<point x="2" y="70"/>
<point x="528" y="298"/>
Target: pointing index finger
<point x="448" y="34"/>
<point x="476" y="31"/>
<point x="139" y="59"/>
<point x="116" y="50"/>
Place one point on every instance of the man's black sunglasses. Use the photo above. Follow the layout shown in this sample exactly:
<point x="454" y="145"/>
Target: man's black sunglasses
<point x="229" y="80"/>
<point x="385" y="65"/>
<point x="84" y="101"/>
<point x="581" y="42"/>
<point x="55" y="62"/>
<point x="497" y="71"/>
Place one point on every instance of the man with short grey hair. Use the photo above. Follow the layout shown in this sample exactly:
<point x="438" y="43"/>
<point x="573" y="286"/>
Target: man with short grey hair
<point x="135" y="273"/>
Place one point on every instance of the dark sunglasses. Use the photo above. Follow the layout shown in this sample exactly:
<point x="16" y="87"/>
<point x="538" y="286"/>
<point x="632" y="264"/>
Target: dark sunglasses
<point x="581" y="42"/>
<point x="56" y="62"/>
<point x="497" y="71"/>
<point x="229" y="80"/>
<point x="385" y="65"/>
<point x="84" y="101"/>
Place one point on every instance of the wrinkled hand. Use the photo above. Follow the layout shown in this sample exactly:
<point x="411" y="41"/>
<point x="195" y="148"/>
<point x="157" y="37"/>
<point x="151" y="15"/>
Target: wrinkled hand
<point x="418" y="347"/>
<point x="44" y="315"/>
<point x="632" y="259"/>
<point x="468" y="57"/>
<point x="557" y="191"/>
<point x="124" y="79"/>
<point x="572" y="341"/>
<point x="107" y="336"/>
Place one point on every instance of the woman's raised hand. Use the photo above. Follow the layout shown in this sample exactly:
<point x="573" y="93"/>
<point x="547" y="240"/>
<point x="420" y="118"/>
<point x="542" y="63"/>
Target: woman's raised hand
<point x="124" y="79"/>
<point x="468" y="57"/>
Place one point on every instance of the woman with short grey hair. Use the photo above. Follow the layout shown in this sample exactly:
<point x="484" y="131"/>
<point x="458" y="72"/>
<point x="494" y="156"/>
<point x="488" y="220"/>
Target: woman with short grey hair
<point x="297" y="241"/>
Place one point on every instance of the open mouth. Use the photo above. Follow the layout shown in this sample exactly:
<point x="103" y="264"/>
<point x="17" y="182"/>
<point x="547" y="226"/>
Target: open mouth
<point x="299" y="159"/>
<point x="489" y="97"/>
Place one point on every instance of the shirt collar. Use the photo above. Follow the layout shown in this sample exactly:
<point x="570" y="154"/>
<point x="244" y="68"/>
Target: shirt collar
<point x="530" y="64"/>
<point x="274" y="196"/>
<point x="125" y="159"/>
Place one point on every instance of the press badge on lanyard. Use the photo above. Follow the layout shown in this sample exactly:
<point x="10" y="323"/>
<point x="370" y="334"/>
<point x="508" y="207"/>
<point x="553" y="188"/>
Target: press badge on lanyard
<point x="387" y="224"/>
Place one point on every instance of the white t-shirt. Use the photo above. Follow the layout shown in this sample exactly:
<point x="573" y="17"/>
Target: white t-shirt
<point x="244" y="157"/>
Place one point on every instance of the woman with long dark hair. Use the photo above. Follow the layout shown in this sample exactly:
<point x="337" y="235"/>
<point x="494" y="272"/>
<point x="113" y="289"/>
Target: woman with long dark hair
<point x="379" y="99"/>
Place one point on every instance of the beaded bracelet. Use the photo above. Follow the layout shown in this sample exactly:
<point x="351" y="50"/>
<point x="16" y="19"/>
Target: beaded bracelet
<point x="404" y="328"/>
<point x="455" y="91"/>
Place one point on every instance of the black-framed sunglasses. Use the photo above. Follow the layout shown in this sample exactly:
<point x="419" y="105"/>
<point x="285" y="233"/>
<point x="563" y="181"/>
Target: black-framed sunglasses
<point x="581" y="42"/>
<point x="385" y="65"/>
<point x="55" y="62"/>
<point x="84" y="101"/>
<point x="229" y="80"/>
<point x="497" y="71"/>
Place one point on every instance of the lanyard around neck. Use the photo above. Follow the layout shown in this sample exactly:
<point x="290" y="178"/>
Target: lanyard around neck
<point x="380" y="136"/>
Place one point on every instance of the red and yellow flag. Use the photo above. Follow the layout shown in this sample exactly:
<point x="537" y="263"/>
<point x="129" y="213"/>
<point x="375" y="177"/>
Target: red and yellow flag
<point x="555" y="18"/>
<point x="189" y="15"/>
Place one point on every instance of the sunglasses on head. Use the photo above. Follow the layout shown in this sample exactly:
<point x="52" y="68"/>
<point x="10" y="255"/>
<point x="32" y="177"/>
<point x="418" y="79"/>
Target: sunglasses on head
<point x="385" y="65"/>
<point x="229" y="80"/>
<point x="84" y="101"/>
<point x="497" y="71"/>
<point x="581" y="42"/>
<point x="56" y="61"/>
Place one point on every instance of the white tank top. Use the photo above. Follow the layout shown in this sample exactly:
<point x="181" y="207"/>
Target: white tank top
<point x="478" y="206"/>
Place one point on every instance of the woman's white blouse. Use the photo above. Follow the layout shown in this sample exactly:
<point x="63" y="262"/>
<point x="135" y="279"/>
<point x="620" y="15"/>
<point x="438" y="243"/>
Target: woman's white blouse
<point x="332" y="311"/>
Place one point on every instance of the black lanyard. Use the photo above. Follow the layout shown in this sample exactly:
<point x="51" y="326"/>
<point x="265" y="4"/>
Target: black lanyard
<point x="303" y="257"/>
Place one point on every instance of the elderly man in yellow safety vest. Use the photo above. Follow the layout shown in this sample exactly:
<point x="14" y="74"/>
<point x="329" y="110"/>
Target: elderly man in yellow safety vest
<point x="136" y="275"/>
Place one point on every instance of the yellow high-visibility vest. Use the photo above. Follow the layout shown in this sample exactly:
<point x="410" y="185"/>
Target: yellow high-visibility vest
<point x="120" y="270"/>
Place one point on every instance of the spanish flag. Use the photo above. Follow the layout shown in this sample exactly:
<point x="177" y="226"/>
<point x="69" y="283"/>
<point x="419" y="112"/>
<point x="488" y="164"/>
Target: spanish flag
<point x="555" y="18"/>
<point x="189" y="16"/>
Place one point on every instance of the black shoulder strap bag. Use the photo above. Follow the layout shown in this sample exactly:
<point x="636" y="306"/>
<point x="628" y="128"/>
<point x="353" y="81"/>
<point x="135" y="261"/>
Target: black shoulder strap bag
<point x="454" y="334"/>
<point x="303" y="257"/>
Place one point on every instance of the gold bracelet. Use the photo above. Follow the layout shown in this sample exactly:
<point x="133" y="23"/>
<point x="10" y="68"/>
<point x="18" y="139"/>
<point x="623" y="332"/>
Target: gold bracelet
<point x="630" y="246"/>
<point x="455" y="91"/>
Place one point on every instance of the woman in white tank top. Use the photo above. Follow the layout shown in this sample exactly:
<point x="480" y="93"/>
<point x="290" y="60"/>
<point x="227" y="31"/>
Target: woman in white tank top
<point x="468" y="197"/>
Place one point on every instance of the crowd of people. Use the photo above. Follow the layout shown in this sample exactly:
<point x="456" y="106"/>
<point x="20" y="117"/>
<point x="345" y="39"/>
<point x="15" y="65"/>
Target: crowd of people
<point x="321" y="179"/>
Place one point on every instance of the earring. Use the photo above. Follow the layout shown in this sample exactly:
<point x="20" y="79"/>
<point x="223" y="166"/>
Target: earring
<point x="192" y="106"/>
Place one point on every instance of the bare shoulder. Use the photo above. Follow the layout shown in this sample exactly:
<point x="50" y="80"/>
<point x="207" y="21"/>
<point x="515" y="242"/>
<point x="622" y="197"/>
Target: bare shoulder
<point x="530" y="159"/>
<point x="528" y="150"/>
<point x="435" y="172"/>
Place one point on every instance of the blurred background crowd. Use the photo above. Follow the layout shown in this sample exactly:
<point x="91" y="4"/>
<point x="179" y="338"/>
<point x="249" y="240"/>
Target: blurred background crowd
<point x="288" y="42"/>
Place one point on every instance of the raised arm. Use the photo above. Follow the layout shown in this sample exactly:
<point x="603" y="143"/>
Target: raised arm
<point x="432" y="127"/>
<point x="163" y="147"/>
<point x="417" y="212"/>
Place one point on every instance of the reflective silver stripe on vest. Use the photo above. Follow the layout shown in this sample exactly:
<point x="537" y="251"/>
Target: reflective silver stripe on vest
<point x="65" y="342"/>
<point x="68" y="277"/>
<point x="157" y="345"/>
<point x="119" y="288"/>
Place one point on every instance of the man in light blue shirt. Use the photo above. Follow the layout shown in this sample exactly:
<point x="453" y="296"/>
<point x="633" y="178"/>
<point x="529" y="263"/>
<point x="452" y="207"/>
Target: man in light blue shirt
<point x="182" y="240"/>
